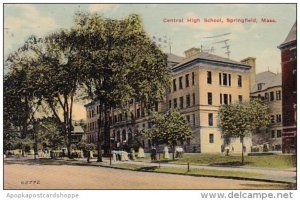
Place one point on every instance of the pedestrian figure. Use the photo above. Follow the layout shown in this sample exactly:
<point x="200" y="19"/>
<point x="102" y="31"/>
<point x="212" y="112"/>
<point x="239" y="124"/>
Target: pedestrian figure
<point x="153" y="153"/>
<point x="141" y="153"/>
<point x="166" y="153"/>
<point x="132" y="152"/>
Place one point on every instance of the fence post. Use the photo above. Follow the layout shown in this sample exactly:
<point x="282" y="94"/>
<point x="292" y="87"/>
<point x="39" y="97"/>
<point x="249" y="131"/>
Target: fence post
<point x="188" y="166"/>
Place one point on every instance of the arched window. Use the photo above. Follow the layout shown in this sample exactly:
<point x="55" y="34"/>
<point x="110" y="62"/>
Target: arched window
<point x="130" y="135"/>
<point x="124" y="135"/>
<point x="118" y="136"/>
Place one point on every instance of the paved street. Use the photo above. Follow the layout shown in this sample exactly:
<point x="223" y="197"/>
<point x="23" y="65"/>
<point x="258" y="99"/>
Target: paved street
<point x="86" y="177"/>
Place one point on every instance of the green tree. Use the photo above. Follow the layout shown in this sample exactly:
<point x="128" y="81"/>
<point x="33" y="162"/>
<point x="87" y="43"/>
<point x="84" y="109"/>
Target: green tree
<point x="49" y="133"/>
<point x="121" y="63"/>
<point x="170" y="129"/>
<point x="57" y="77"/>
<point x="240" y="119"/>
<point x="20" y="102"/>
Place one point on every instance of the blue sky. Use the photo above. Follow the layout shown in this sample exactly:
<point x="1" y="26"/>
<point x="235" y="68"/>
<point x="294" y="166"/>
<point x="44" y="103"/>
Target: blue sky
<point x="258" y="40"/>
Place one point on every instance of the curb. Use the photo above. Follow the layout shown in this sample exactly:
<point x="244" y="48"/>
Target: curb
<point x="194" y="175"/>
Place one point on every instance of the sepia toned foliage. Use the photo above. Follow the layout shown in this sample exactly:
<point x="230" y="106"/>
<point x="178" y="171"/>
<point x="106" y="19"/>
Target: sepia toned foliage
<point x="240" y="119"/>
<point x="121" y="63"/>
<point x="170" y="129"/>
<point x="112" y="60"/>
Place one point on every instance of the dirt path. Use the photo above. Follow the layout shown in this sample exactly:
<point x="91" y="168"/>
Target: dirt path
<point x="85" y="177"/>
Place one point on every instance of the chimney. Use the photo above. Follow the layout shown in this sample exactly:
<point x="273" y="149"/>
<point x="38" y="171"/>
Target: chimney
<point x="252" y="62"/>
<point x="191" y="52"/>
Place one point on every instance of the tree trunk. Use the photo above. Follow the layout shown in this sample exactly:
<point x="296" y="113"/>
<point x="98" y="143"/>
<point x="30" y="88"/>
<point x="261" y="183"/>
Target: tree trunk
<point x="106" y="130"/>
<point x="173" y="152"/>
<point x="99" y="157"/>
<point x="242" y="150"/>
<point x="35" y="145"/>
<point x="69" y="148"/>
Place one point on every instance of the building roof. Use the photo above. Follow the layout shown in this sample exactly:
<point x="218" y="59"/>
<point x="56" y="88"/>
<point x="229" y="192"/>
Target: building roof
<point x="174" y="58"/>
<point x="267" y="79"/>
<point x="292" y="36"/>
<point x="209" y="57"/>
<point x="78" y="129"/>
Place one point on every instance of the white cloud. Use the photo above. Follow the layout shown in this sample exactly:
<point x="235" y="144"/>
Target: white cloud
<point x="102" y="7"/>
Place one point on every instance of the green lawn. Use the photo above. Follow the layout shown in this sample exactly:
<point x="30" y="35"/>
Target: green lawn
<point x="199" y="172"/>
<point x="266" y="161"/>
<point x="206" y="172"/>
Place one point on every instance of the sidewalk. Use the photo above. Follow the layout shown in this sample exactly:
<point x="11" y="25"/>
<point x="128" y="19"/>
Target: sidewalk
<point x="267" y="174"/>
<point x="281" y="175"/>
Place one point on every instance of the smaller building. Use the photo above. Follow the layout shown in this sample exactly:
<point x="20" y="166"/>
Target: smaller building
<point x="268" y="87"/>
<point x="289" y="90"/>
<point x="77" y="134"/>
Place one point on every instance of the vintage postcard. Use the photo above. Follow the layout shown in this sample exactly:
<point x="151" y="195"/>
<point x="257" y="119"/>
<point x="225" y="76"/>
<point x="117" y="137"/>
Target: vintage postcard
<point x="150" y="96"/>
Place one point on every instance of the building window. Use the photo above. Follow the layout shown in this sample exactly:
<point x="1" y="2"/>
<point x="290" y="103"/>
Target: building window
<point x="124" y="135"/>
<point x="210" y="119"/>
<point x="211" y="138"/>
<point x="174" y="85"/>
<point x="175" y="102"/>
<point x="278" y="95"/>
<point x="278" y="118"/>
<point x="225" y="99"/>
<point x="220" y="79"/>
<point x="259" y="86"/>
<point x="279" y="133"/>
<point x="240" y="98"/>
<point x="188" y="141"/>
<point x="272" y="96"/>
<point x="194" y="99"/>
<point x="230" y="98"/>
<point x="188" y="100"/>
<point x="272" y="119"/>
<point x="180" y="82"/>
<point x="273" y="134"/>
<point x="224" y="79"/>
<point x="118" y="136"/>
<point x="170" y="104"/>
<point x="181" y="102"/>
<point x="209" y="98"/>
<point x="143" y="112"/>
<point x="187" y="81"/>
<point x="221" y="101"/>
<point x="239" y="81"/>
<point x="267" y="96"/>
<point x="193" y="78"/>
<point x="115" y="118"/>
<point x="209" y="77"/>
<point x="188" y="118"/>
<point x="229" y="79"/>
<point x="138" y="112"/>
<point x="194" y="120"/>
